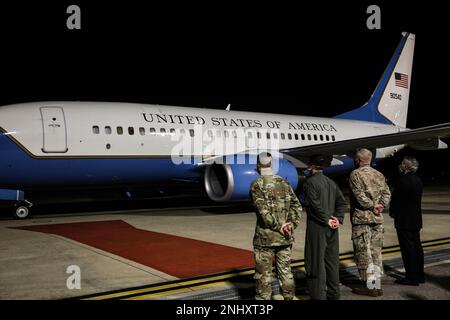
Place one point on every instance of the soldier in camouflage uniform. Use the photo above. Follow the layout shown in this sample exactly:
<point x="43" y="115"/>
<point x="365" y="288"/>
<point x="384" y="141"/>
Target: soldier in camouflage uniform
<point x="369" y="196"/>
<point x="278" y="213"/>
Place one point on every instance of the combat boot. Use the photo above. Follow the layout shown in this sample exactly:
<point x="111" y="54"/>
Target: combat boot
<point x="364" y="291"/>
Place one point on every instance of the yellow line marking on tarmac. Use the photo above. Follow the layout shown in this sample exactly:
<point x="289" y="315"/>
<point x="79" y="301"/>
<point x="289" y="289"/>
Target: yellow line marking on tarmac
<point x="172" y="285"/>
<point x="215" y="280"/>
<point x="386" y="252"/>
<point x="156" y="295"/>
<point x="427" y="248"/>
<point x="438" y="263"/>
<point x="126" y="293"/>
<point x="178" y="291"/>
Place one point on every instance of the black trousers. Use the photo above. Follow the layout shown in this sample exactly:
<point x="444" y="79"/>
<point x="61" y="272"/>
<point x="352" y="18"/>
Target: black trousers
<point x="412" y="254"/>
<point x="322" y="261"/>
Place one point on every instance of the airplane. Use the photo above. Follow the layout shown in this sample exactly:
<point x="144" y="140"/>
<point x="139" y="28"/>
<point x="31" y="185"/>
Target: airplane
<point x="56" y="145"/>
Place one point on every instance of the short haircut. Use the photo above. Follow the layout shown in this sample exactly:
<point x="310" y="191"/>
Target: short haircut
<point x="411" y="163"/>
<point x="364" y="155"/>
<point x="265" y="159"/>
<point x="318" y="160"/>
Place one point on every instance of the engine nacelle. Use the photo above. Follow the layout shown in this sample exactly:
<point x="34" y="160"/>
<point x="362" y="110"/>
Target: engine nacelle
<point x="231" y="182"/>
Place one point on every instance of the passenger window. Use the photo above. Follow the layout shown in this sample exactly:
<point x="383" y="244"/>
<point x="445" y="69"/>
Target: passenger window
<point x="119" y="130"/>
<point x="142" y="131"/>
<point x="268" y="135"/>
<point x="191" y="132"/>
<point x="315" y="137"/>
<point x="327" y="138"/>
<point x="258" y="135"/>
<point x="303" y="136"/>
<point x="218" y="133"/>
<point x="275" y="135"/>
<point x="234" y="134"/>
<point x="172" y="131"/>
<point x="95" y="129"/>
<point x="152" y="130"/>
<point x="250" y="134"/>
<point x="289" y="136"/>
<point x="282" y="136"/>
<point x="108" y="130"/>
<point x="321" y="137"/>
<point x="130" y="131"/>
<point x="296" y="136"/>
<point x="309" y="137"/>
<point x="333" y="138"/>
<point x="225" y="134"/>
<point x="182" y="132"/>
<point x="163" y="131"/>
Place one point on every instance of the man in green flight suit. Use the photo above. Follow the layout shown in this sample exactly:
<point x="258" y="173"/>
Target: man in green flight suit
<point x="325" y="208"/>
<point x="278" y="213"/>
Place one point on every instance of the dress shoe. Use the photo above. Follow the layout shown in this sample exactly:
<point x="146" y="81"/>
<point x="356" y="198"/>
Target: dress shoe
<point x="406" y="282"/>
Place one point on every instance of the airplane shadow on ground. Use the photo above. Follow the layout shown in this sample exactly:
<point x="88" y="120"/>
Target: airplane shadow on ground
<point x="440" y="281"/>
<point x="443" y="281"/>
<point x="393" y="273"/>
<point x="245" y="286"/>
<point x="241" y="208"/>
<point x="348" y="278"/>
<point x="397" y="275"/>
<point x="199" y="211"/>
<point x="412" y="296"/>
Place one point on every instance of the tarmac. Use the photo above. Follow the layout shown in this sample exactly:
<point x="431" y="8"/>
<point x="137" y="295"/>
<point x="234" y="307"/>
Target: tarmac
<point x="34" y="265"/>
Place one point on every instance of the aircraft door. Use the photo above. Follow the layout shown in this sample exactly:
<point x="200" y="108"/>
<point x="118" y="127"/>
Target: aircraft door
<point x="54" y="127"/>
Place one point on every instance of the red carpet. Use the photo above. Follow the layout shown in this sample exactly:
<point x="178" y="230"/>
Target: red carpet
<point x="177" y="256"/>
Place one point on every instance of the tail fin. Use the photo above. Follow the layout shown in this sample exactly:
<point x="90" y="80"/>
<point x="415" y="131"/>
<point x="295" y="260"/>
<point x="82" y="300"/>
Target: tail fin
<point x="389" y="102"/>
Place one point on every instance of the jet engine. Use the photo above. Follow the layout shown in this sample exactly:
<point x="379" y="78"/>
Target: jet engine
<point x="231" y="182"/>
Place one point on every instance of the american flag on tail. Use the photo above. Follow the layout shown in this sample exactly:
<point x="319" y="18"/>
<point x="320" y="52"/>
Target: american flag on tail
<point x="401" y="80"/>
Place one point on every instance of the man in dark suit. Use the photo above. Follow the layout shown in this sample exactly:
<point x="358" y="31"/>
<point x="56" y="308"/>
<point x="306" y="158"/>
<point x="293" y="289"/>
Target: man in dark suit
<point x="406" y="209"/>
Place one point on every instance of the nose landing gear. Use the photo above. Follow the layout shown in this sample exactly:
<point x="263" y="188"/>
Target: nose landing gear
<point x="21" y="209"/>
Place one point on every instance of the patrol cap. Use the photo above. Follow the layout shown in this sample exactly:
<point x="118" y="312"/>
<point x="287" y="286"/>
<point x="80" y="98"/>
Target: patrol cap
<point x="265" y="159"/>
<point x="318" y="160"/>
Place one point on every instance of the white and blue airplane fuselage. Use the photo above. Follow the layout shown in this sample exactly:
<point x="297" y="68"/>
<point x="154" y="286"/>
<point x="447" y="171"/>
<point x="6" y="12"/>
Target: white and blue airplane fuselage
<point x="102" y="144"/>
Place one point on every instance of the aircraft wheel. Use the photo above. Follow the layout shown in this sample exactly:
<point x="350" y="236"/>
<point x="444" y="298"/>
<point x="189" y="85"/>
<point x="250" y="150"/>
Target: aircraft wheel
<point x="21" y="211"/>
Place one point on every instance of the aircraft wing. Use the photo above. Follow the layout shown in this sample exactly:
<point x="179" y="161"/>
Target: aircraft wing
<point x="426" y="138"/>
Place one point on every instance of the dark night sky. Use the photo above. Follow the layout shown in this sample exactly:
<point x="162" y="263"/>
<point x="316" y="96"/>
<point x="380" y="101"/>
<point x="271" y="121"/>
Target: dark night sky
<point x="316" y="60"/>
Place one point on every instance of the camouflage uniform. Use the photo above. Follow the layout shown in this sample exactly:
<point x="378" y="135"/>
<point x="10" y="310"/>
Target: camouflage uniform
<point x="368" y="187"/>
<point x="275" y="204"/>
